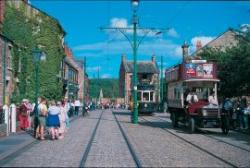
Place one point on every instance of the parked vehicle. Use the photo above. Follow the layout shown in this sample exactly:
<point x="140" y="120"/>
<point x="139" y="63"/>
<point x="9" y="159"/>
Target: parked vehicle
<point x="198" y="76"/>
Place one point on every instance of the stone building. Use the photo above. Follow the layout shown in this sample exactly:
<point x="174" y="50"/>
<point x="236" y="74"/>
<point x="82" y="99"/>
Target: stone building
<point x="229" y="38"/>
<point x="147" y="73"/>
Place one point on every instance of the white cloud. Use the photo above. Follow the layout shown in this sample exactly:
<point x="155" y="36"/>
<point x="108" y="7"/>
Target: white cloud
<point x="173" y="33"/>
<point x="245" y="27"/>
<point x="106" y="76"/>
<point x="178" y="50"/>
<point x="123" y="23"/>
<point x="119" y="22"/>
<point x="117" y="47"/>
<point x="204" y="40"/>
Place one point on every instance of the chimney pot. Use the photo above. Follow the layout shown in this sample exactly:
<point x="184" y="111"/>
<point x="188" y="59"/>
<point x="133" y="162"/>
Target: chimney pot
<point x="198" y="45"/>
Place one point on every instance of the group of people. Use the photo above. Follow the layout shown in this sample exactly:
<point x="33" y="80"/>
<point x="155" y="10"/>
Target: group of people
<point x="47" y="114"/>
<point x="239" y="111"/>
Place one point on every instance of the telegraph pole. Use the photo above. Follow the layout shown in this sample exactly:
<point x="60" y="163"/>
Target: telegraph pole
<point x="161" y="89"/>
<point x="135" y="43"/>
<point x="83" y="84"/>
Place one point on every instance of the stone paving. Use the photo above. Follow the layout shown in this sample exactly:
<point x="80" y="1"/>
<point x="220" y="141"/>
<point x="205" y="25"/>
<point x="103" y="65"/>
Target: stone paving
<point x="213" y="142"/>
<point x="157" y="148"/>
<point x="109" y="147"/>
<point x="153" y="145"/>
<point x="66" y="152"/>
<point x="13" y="143"/>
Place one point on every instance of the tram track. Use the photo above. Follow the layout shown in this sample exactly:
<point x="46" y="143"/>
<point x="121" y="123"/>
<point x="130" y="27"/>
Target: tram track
<point x="130" y="147"/>
<point x="211" y="137"/>
<point x="194" y="145"/>
<point x="90" y="142"/>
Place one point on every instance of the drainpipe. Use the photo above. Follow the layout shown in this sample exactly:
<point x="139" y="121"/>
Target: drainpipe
<point x="4" y="72"/>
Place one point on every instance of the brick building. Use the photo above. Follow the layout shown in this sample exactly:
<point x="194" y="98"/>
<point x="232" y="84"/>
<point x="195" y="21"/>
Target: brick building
<point x="70" y="75"/>
<point x="6" y="77"/>
<point x="76" y="82"/>
<point x="147" y="73"/>
<point x="228" y="39"/>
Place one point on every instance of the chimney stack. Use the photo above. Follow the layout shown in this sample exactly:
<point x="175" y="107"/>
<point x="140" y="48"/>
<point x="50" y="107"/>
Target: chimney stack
<point x="198" y="45"/>
<point x="185" y="51"/>
<point x="153" y="58"/>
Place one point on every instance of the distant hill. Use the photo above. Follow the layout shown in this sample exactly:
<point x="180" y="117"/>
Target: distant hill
<point x="110" y="88"/>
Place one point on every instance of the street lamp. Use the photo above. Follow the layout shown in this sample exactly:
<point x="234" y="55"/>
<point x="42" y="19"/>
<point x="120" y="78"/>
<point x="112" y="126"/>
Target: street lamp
<point x="38" y="56"/>
<point x="135" y="4"/>
<point x="135" y="43"/>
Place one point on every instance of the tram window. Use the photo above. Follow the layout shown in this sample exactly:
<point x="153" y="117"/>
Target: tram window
<point x="144" y="76"/>
<point x="151" y="96"/>
<point x="139" y="96"/>
<point x="146" y="96"/>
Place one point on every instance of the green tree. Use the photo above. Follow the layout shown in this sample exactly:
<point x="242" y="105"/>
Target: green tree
<point x="233" y="68"/>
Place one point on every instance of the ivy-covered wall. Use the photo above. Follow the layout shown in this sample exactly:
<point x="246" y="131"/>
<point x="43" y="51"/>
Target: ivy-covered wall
<point x="28" y="32"/>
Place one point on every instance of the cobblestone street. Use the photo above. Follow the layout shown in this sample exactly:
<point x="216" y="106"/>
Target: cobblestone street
<point x="151" y="143"/>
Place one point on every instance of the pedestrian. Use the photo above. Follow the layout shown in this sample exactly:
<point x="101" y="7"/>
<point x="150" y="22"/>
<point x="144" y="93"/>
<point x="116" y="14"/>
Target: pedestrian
<point x="243" y="118"/>
<point x="42" y="115"/>
<point x="62" y="118"/>
<point x="24" y="114"/>
<point x="72" y="108"/>
<point x="77" y="105"/>
<point x="53" y="121"/>
<point x="228" y="109"/>
<point x="30" y="110"/>
<point x="66" y="105"/>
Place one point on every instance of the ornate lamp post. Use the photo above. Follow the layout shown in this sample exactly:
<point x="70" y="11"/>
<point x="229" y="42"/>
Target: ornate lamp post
<point x="135" y="4"/>
<point x="135" y="43"/>
<point x="38" y="56"/>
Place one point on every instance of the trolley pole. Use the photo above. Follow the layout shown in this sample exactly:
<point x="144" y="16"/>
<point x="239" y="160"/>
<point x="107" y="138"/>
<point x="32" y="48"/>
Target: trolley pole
<point x="135" y="43"/>
<point x="161" y="89"/>
<point x="135" y="107"/>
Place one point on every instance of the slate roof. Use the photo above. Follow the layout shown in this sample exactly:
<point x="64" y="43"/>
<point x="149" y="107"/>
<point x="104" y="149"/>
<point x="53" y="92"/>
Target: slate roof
<point x="142" y="67"/>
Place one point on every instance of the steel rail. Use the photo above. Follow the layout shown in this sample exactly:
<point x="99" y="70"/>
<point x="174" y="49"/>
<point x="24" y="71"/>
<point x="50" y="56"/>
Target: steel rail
<point x="87" y="150"/>
<point x="130" y="147"/>
<point x="196" y="146"/>
<point x="211" y="137"/>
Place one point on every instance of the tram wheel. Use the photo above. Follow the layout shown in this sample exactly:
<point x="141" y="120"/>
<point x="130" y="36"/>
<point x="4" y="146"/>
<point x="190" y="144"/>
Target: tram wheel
<point x="191" y="125"/>
<point x="174" y="120"/>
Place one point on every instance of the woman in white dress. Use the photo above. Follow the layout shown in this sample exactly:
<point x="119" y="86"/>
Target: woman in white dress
<point x="62" y="118"/>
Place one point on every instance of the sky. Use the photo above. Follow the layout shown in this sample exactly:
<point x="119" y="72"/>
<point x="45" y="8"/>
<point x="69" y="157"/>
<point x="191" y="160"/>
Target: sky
<point x="183" y="21"/>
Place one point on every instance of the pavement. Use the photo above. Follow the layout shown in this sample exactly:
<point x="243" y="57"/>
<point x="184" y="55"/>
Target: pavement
<point x="11" y="144"/>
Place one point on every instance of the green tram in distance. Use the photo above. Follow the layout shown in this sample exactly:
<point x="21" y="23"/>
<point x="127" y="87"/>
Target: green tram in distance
<point x="147" y="99"/>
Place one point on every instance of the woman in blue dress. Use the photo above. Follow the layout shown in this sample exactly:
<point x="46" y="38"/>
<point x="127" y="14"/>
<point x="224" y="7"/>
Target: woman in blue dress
<point x="53" y="121"/>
